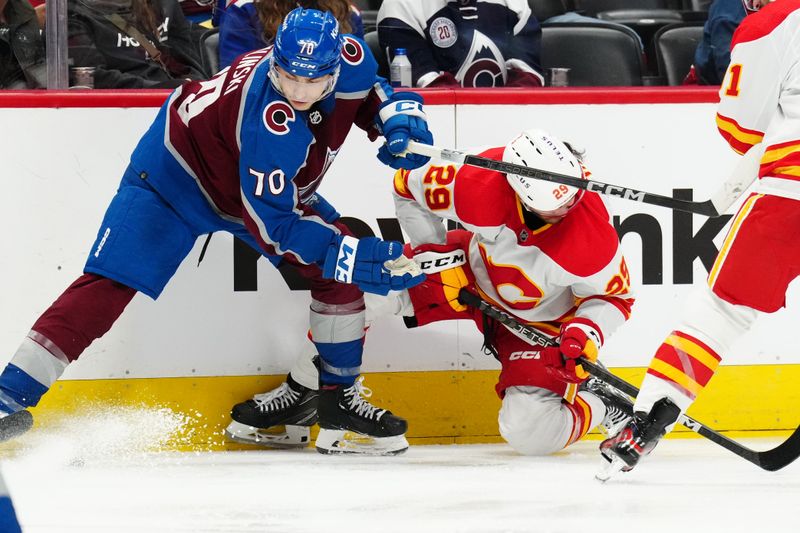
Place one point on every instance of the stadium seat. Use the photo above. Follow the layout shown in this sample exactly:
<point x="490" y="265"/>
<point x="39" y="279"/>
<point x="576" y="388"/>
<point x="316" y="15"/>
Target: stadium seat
<point x="675" y="46"/>
<point x="544" y="9"/>
<point x="370" y="19"/>
<point x="597" y="54"/>
<point x="641" y="17"/>
<point x="367" y="4"/>
<point x="699" y="5"/>
<point x="209" y="45"/>
<point x="371" y="39"/>
<point x="593" y="7"/>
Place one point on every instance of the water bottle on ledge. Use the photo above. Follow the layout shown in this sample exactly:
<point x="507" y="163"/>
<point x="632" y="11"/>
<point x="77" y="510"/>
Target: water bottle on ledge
<point x="400" y="69"/>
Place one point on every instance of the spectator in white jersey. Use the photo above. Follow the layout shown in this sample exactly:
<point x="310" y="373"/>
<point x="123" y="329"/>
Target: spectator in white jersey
<point x="466" y="43"/>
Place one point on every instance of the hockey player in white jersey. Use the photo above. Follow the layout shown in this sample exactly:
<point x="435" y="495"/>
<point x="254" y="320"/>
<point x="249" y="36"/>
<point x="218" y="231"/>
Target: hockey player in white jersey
<point x="759" y="104"/>
<point x="545" y="253"/>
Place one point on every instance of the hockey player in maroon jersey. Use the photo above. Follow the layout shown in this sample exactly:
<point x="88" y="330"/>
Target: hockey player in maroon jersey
<point x="759" y="104"/>
<point x="545" y="253"/>
<point x="245" y="152"/>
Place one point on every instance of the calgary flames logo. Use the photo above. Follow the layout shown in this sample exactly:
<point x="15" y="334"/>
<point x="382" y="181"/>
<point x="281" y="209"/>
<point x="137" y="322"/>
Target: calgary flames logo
<point x="277" y="117"/>
<point x="516" y="289"/>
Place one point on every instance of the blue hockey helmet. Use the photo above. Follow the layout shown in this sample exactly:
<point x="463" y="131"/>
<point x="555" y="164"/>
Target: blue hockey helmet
<point x="308" y="43"/>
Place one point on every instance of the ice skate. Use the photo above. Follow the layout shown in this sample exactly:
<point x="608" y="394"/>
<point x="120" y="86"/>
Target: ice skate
<point x="280" y="418"/>
<point x="619" y="406"/>
<point x="637" y="439"/>
<point x="350" y="424"/>
<point x="14" y="424"/>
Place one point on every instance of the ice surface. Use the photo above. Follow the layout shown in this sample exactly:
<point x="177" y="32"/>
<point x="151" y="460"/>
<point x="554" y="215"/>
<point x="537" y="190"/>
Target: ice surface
<point x="74" y="479"/>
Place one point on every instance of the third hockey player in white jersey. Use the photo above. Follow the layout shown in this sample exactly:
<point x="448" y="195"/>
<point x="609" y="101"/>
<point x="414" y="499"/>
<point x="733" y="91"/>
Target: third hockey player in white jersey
<point x="759" y="104"/>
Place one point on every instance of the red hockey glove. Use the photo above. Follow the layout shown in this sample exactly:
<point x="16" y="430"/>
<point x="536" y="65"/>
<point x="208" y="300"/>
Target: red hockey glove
<point x="561" y="360"/>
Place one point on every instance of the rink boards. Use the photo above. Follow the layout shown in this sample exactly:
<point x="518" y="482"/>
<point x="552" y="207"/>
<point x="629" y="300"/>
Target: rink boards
<point x="230" y="326"/>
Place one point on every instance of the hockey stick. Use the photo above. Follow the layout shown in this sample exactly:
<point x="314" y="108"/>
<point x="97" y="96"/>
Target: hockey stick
<point x="770" y="460"/>
<point x="740" y="178"/>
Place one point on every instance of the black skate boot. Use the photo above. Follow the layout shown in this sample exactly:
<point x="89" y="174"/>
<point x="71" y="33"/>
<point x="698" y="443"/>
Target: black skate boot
<point x="15" y="424"/>
<point x="258" y="421"/>
<point x="350" y="424"/>
<point x="619" y="406"/>
<point x="638" y="438"/>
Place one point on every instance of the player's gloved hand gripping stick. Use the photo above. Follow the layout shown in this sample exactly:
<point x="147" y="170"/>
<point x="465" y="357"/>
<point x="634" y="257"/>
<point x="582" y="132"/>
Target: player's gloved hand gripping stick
<point x="771" y="460"/>
<point x="401" y="119"/>
<point x="375" y="265"/>
<point x="739" y="180"/>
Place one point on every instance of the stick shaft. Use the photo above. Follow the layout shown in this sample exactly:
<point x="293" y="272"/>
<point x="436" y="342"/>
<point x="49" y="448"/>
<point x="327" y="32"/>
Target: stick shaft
<point x="744" y="173"/>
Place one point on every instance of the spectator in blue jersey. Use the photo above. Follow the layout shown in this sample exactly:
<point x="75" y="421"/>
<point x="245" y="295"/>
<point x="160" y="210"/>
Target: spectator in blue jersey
<point x="467" y="43"/>
<point x="244" y="152"/>
<point x="249" y="24"/>
<point x="713" y="54"/>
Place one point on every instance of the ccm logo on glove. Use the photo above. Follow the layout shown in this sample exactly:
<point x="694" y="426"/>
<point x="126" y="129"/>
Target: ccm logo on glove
<point x="346" y="260"/>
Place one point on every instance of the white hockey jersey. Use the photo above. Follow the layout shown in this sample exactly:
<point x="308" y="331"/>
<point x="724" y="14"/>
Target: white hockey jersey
<point x="760" y="95"/>
<point x="546" y="275"/>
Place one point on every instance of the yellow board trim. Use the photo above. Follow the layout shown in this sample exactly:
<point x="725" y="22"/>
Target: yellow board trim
<point x="443" y="407"/>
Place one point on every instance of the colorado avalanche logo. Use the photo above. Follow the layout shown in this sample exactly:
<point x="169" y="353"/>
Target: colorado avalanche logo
<point x="277" y="117"/>
<point x="352" y="52"/>
<point x="484" y="65"/>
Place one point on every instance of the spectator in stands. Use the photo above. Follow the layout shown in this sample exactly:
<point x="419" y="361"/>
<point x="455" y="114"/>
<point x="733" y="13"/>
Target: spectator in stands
<point x="714" y="51"/>
<point x="22" y="57"/>
<point x="468" y="43"/>
<point x="133" y="43"/>
<point x="247" y="25"/>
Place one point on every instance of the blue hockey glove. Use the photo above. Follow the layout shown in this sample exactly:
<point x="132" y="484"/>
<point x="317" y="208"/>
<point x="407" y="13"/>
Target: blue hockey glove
<point x="401" y="118"/>
<point x="361" y="261"/>
<point x="328" y="213"/>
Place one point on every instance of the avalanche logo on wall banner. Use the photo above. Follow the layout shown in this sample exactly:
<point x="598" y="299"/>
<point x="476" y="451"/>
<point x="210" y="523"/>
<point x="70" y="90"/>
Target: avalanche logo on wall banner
<point x="443" y="32"/>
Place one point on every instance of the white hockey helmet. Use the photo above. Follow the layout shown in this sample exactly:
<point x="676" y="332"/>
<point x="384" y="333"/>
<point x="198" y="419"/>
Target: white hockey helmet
<point x="537" y="149"/>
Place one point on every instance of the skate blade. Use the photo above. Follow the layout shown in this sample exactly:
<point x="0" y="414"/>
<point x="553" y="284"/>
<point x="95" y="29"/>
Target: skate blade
<point x="610" y="468"/>
<point x="290" y="437"/>
<point x="338" y="441"/>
